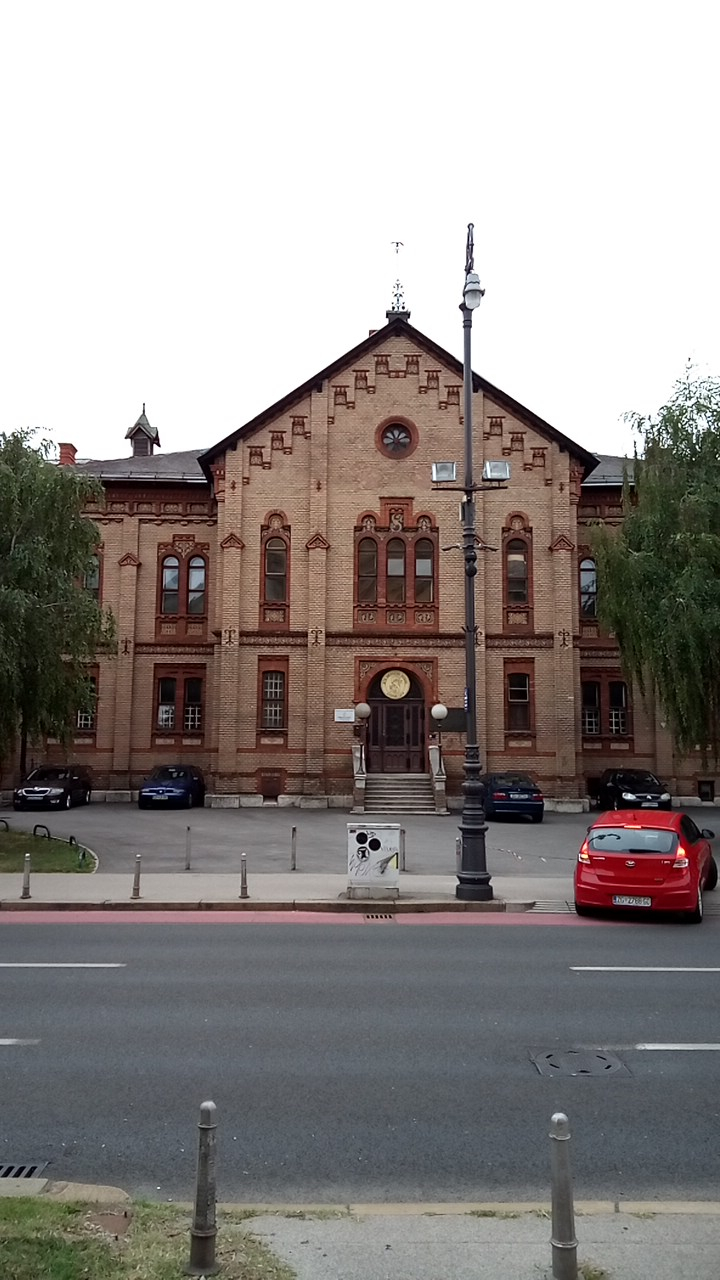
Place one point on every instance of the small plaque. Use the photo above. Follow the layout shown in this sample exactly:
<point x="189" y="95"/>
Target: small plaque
<point x="344" y="715"/>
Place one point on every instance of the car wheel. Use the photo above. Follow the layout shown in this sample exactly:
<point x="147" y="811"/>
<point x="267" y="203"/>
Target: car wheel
<point x="580" y="910"/>
<point x="86" y="798"/>
<point x="67" y="802"/>
<point x="712" y="875"/>
<point x="695" y="916"/>
<point x="142" y="804"/>
<point x="17" y="806"/>
<point x="190" y="800"/>
<point x="536" y="817"/>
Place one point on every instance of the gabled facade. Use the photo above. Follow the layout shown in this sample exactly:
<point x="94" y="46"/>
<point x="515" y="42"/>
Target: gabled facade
<point x="266" y="586"/>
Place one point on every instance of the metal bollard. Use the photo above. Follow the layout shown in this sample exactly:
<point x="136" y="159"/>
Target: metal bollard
<point x="188" y="839"/>
<point x="26" y="877"/>
<point x="203" y="1231"/>
<point x="243" y="877"/>
<point x="562" y="1241"/>
<point x="293" y="849"/>
<point x="136" y="878"/>
<point x="402" y="848"/>
<point x="458" y="854"/>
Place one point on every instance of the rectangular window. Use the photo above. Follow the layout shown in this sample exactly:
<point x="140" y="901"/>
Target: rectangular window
<point x="518" y="701"/>
<point x="590" y="707"/>
<point x="273" y="700"/>
<point x="618" y="708"/>
<point x="167" y="692"/>
<point x="192" y="711"/>
<point x="86" y="718"/>
<point x="91" y="580"/>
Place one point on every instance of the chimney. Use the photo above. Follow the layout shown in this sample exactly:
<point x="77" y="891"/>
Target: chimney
<point x="68" y="454"/>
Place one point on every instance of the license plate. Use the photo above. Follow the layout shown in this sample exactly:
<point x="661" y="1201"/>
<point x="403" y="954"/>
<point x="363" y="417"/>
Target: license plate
<point x="518" y="795"/>
<point x="649" y="804"/>
<point x="623" y="900"/>
<point x="159" y="797"/>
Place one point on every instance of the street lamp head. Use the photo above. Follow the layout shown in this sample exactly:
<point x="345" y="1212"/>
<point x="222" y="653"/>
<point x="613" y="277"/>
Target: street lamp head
<point x="362" y="711"/>
<point x="473" y="293"/>
<point x="439" y="712"/>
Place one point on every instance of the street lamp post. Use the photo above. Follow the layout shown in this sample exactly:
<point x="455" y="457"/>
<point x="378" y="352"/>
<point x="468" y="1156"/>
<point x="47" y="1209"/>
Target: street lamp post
<point x="473" y="875"/>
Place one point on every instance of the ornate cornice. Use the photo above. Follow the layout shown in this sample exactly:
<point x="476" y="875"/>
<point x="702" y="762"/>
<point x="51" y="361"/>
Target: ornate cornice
<point x="129" y="560"/>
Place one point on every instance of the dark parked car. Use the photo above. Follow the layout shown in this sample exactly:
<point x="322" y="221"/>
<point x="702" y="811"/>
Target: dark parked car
<point x="513" y="793"/>
<point x="632" y="789"/>
<point x="54" y="787"/>
<point x="169" y="784"/>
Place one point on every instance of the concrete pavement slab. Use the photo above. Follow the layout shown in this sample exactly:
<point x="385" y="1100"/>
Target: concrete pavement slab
<point x="425" y="1247"/>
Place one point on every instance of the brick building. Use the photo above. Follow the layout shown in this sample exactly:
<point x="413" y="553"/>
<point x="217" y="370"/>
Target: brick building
<point x="272" y="581"/>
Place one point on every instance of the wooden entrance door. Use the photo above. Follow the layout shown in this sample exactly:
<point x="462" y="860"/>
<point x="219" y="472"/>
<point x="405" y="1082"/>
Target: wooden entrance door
<point x="396" y="733"/>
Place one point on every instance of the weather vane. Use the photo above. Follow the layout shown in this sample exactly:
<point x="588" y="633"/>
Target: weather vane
<point x="398" y="293"/>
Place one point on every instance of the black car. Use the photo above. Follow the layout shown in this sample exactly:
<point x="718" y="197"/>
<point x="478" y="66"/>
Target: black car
<point x="632" y="789"/>
<point x="513" y="793"/>
<point x="169" y="784"/>
<point x="54" y="787"/>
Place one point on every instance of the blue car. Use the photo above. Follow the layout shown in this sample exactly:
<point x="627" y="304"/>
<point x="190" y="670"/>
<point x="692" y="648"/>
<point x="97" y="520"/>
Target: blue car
<point x="512" y="793"/>
<point x="169" y="784"/>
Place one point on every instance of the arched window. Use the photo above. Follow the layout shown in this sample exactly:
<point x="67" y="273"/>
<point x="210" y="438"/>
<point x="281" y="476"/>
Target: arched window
<point x="170" y="596"/>
<point x="367" y="571"/>
<point x="588" y="589"/>
<point x="276" y="571"/>
<point x="424" y="576"/>
<point x="196" y="585"/>
<point x="516" y="568"/>
<point x="396" y="571"/>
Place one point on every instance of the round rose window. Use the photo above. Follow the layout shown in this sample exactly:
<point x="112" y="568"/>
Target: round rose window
<point x="396" y="439"/>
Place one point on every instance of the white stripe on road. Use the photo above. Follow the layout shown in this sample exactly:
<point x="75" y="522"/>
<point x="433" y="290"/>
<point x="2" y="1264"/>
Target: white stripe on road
<point x="634" y="968"/>
<point x="19" y="1042"/>
<point x="682" y="1048"/>
<point x="43" y="964"/>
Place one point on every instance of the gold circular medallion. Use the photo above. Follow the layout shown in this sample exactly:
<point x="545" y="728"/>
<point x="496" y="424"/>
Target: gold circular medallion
<point x="395" y="684"/>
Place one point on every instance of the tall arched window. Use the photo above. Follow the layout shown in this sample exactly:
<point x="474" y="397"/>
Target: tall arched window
<point x="276" y="571"/>
<point x="516" y="569"/>
<point x="396" y="571"/>
<point x="91" y="579"/>
<point x="170" y="595"/>
<point x="367" y="571"/>
<point x="588" y="589"/>
<point x="196" y="585"/>
<point x="424" y="575"/>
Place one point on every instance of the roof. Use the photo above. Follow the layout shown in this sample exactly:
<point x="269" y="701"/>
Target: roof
<point x="143" y="425"/>
<point x="152" y="467"/>
<point x="610" y="469"/>
<point x="397" y="327"/>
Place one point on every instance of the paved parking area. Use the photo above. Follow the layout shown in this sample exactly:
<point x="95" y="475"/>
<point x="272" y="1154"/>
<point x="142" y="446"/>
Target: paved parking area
<point x="116" y="832"/>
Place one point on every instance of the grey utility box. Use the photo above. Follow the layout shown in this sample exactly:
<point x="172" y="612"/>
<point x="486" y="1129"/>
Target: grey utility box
<point x="373" y="860"/>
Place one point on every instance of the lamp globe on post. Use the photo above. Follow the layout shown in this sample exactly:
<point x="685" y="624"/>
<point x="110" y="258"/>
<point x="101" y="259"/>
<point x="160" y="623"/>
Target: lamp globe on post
<point x="439" y="715"/>
<point x="363" y="713"/>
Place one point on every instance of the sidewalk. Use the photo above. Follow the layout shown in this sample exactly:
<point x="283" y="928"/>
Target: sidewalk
<point x="267" y="891"/>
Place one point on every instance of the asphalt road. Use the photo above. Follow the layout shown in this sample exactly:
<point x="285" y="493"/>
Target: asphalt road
<point x="360" y="1062"/>
<point x="117" y="832"/>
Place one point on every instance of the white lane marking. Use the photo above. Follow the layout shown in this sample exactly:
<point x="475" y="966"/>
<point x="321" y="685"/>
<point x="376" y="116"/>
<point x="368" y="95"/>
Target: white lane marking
<point x="43" y="964"/>
<point x="634" y="968"/>
<point x="681" y="1048"/>
<point x="19" y="1042"/>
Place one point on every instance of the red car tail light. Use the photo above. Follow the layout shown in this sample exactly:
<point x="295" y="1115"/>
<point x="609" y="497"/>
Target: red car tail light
<point x="499" y="795"/>
<point x="583" y="855"/>
<point x="681" y="859"/>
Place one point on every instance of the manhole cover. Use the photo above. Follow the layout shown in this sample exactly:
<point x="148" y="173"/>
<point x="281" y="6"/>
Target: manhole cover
<point x="33" y="1169"/>
<point x="578" y="1062"/>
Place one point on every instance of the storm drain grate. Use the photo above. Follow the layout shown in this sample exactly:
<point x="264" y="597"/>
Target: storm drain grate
<point x="29" y="1170"/>
<point x="578" y="1062"/>
<point x="380" y="916"/>
<point x="554" y="907"/>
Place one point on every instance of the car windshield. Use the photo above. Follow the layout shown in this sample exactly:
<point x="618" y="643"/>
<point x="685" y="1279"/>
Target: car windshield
<point x="168" y="774"/>
<point x="631" y="840"/>
<point x="639" y="781"/>
<point x="48" y="775"/>
<point x="513" y="781"/>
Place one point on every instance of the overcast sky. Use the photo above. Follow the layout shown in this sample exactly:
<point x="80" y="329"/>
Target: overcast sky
<point x="199" y="203"/>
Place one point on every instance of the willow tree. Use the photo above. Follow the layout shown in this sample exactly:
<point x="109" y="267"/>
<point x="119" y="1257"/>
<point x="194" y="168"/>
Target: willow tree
<point x="659" y="574"/>
<point x="51" y="628"/>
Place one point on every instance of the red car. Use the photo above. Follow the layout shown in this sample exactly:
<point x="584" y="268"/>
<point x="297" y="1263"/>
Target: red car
<point x="639" y="860"/>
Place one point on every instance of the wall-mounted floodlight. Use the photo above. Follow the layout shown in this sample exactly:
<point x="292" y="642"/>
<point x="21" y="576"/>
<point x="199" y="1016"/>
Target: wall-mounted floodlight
<point x="496" y="471"/>
<point x="443" y="471"/>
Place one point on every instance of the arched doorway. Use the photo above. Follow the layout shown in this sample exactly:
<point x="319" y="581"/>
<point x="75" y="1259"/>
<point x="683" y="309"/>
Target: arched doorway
<point x="396" y="730"/>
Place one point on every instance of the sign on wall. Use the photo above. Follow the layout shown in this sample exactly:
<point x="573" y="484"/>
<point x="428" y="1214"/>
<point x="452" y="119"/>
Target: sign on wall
<point x="345" y="715"/>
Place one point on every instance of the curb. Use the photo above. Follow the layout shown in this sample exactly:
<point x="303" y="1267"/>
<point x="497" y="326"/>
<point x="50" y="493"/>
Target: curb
<point x="366" y="907"/>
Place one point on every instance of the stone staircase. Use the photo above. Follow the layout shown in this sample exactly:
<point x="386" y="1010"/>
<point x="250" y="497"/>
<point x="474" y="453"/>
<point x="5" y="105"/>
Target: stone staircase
<point x="399" y="793"/>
